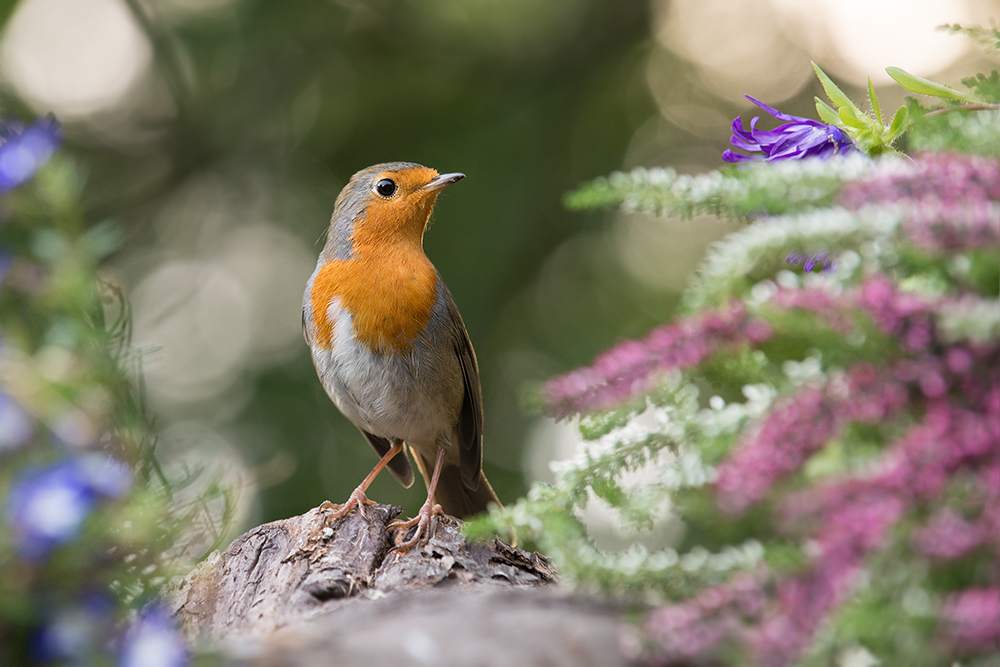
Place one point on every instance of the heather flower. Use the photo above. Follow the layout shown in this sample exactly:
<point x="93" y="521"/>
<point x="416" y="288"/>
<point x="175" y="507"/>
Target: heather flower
<point x="947" y="536"/>
<point x="24" y="152"/>
<point x="946" y="201"/>
<point x="849" y="533"/>
<point x="47" y="507"/>
<point x="632" y="367"/>
<point x="801" y="425"/>
<point x="969" y="619"/>
<point x="154" y="641"/>
<point x="694" y="628"/>
<point x="797" y="138"/>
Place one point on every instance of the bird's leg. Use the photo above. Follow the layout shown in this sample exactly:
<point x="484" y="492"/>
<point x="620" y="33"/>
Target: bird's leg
<point x="426" y="518"/>
<point x="358" y="498"/>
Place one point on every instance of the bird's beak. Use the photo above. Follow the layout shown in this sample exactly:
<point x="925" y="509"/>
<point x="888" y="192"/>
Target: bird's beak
<point x="442" y="181"/>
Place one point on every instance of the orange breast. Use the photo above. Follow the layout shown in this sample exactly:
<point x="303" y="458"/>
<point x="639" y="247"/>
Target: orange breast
<point x="389" y="294"/>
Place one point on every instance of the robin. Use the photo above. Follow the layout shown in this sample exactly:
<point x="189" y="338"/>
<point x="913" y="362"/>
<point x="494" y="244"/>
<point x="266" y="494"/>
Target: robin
<point x="391" y="349"/>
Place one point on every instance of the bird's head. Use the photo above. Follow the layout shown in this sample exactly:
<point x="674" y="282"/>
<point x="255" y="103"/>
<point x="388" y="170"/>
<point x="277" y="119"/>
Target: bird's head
<point x="385" y="204"/>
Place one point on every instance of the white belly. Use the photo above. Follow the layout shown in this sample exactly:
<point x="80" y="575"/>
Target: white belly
<point x="415" y="397"/>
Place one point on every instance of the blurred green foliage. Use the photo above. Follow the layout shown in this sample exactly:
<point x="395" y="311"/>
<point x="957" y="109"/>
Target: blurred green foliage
<point x="526" y="98"/>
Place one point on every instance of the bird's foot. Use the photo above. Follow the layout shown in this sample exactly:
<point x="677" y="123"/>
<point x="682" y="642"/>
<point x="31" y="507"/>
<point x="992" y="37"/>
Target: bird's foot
<point x="358" y="499"/>
<point x="426" y="523"/>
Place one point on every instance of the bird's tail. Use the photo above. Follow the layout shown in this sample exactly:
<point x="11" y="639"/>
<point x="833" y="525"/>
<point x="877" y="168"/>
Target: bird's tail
<point x="454" y="497"/>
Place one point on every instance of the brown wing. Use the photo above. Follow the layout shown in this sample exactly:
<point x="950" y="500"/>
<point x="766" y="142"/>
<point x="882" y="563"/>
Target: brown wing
<point x="470" y="420"/>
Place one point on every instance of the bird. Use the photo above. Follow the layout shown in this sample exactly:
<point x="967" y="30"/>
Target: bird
<point x="390" y="347"/>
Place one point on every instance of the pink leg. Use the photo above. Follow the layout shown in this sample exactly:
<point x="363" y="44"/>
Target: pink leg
<point x="358" y="498"/>
<point x="426" y="517"/>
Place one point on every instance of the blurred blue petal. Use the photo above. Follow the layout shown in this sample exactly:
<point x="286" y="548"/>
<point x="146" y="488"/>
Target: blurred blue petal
<point x="15" y="426"/>
<point x="106" y="476"/>
<point x="76" y="632"/>
<point x="47" y="507"/>
<point x="154" y="641"/>
<point x="22" y="153"/>
<point x="797" y="138"/>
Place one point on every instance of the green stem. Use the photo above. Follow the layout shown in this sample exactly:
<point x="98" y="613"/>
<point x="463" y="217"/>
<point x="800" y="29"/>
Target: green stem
<point x="964" y="107"/>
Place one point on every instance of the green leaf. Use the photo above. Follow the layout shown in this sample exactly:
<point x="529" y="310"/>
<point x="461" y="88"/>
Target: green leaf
<point x="987" y="87"/>
<point x="899" y="124"/>
<point x="836" y="95"/>
<point x="827" y="113"/>
<point x="852" y="119"/>
<point x="988" y="38"/>
<point x="874" y="101"/>
<point x="916" y="84"/>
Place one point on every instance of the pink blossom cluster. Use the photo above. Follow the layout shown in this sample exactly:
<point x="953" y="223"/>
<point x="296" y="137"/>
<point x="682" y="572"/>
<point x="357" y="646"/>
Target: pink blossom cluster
<point x="852" y="516"/>
<point x="631" y="367"/>
<point x="948" y="201"/>
<point x="846" y="520"/>
<point x="954" y="393"/>
<point x="948" y="536"/>
<point x="904" y="315"/>
<point x="801" y="425"/>
<point x="848" y="534"/>
<point x="696" y="627"/>
<point x="971" y="620"/>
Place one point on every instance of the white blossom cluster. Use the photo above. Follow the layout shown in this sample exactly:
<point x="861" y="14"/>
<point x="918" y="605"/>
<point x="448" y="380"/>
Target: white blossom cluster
<point x="970" y="318"/>
<point x="766" y="243"/>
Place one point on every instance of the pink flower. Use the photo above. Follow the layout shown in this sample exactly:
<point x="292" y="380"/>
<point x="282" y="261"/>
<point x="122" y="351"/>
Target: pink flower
<point x="849" y="534"/>
<point x="695" y="628"/>
<point x="947" y="536"/>
<point x="634" y="366"/>
<point x="971" y="619"/>
<point x="798" y="426"/>
<point x="947" y="201"/>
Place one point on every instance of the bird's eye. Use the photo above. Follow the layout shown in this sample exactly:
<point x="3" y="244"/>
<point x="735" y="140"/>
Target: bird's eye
<point x="386" y="187"/>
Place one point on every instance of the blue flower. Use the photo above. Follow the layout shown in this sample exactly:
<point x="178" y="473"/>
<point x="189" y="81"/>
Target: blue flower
<point x="23" y="152"/>
<point x="154" y="641"/>
<point x="47" y="507"/>
<point x="797" y="138"/>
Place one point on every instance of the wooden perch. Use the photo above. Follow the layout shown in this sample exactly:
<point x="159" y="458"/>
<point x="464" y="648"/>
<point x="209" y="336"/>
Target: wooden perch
<point x="298" y="592"/>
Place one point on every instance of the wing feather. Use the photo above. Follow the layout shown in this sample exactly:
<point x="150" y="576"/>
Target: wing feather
<point x="469" y="429"/>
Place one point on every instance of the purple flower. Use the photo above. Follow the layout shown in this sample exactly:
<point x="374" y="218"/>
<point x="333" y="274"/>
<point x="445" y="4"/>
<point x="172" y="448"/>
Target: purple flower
<point x="797" y="138"/>
<point x="47" y="507"/>
<point x="154" y="641"/>
<point x="23" y="152"/>
<point x="809" y="262"/>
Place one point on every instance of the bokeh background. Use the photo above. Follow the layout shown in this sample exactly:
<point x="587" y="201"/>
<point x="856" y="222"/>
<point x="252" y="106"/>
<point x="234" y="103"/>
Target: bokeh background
<point x="217" y="134"/>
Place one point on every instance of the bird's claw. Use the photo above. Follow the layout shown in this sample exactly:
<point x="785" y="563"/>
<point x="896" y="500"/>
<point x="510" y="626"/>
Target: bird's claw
<point x="357" y="499"/>
<point x="426" y="523"/>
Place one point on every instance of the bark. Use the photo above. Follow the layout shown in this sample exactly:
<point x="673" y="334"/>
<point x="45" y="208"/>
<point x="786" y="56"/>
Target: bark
<point x="301" y="592"/>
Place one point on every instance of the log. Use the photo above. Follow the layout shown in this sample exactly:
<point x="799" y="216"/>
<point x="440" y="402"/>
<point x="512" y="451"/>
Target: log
<point x="310" y="591"/>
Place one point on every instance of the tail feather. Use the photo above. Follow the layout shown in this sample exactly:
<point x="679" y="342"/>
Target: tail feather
<point x="454" y="497"/>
